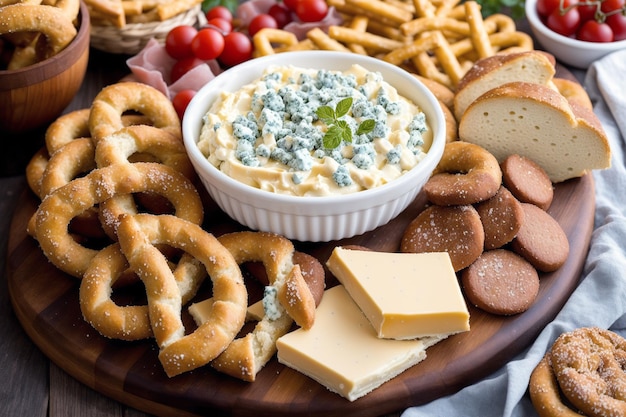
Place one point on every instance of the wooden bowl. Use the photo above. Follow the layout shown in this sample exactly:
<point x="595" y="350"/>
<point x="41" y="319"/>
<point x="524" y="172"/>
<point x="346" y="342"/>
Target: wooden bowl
<point x="35" y="95"/>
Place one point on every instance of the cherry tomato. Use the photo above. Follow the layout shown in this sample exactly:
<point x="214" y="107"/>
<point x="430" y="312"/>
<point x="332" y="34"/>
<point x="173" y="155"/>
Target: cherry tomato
<point x="291" y="4"/>
<point x="222" y="25"/>
<point x="564" y="24"/>
<point x="587" y="12"/>
<point x="208" y="44"/>
<point x="592" y="31"/>
<point x="545" y="7"/>
<point x="261" y="21"/>
<point x="311" y="10"/>
<point x="237" y="49"/>
<point x="183" y="66"/>
<point x="178" y="41"/>
<point x="219" y="11"/>
<point x="181" y="101"/>
<point x="281" y="14"/>
<point x="617" y="22"/>
<point x="610" y="5"/>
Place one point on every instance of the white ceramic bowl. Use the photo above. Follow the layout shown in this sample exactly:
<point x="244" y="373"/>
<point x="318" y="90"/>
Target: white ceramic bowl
<point x="312" y="218"/>
<point x="579" y="54"/>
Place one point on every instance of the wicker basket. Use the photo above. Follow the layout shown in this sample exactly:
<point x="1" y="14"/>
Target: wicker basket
<point x="131" y="38"/>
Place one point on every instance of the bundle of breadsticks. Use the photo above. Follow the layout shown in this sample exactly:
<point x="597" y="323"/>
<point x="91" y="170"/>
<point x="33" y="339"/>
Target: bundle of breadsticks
<point x="436" y="39"/>
<point x="118" y="13"/>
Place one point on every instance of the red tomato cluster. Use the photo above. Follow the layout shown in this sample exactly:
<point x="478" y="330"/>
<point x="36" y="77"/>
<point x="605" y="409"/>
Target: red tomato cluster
<point x="217" y="40"/>
<point x="591" y="21"/>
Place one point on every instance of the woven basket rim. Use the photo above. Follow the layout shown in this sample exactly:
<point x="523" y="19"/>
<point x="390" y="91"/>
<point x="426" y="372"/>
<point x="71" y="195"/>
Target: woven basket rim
<point x="131" y="38"/>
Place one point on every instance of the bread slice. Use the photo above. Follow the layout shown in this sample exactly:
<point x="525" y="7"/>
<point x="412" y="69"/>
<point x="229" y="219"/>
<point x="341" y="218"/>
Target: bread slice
<point x="491" y="72"/>
<point x="533" y="120"/>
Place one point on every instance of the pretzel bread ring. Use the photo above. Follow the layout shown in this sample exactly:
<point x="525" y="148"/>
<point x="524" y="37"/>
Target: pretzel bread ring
<point x="129" y="322"/>
<point x="589" y="366"/>
<point x="50" y="21"/>
<point x="179" y="352"/>
<point x="466" y="174"/>
<point x="114" y="100"/>
<point x="35" y="169"/>
<point x="75" y="125"/>
<point x="292" y="300"/>
<point x="66" y="128"/>
<point x="66" y="164"/>
<point x="57" y="210"/>
<point x="158" y="143"/>
<point x="545" y="393"/>
<point x="118" y="147"/>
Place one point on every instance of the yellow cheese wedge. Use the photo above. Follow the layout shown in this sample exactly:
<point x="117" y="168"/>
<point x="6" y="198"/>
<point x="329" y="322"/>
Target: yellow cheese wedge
<point x="403" y="295"/>
<point x="342" y="352"/>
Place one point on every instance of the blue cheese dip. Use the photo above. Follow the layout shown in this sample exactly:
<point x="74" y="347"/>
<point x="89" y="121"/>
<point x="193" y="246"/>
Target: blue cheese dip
<point x="268" y="135"/>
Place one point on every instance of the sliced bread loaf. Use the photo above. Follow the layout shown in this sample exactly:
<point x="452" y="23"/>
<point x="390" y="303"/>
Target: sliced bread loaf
<point x="487" y="73"/>
<point x="535" y="121"/>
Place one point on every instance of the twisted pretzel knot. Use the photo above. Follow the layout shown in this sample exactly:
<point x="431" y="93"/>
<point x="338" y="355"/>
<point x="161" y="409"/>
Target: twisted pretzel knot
<point x="138" y="235"/>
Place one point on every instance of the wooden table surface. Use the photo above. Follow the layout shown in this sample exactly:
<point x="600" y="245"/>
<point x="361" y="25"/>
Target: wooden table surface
<point x="31" y="385"/>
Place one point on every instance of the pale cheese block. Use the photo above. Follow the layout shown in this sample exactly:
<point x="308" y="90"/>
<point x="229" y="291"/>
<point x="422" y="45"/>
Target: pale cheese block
<point x="494" y="71"/>
<point x="403" y="295"/>
<point x="342" y="351"/>
<point x="567" y="140"/>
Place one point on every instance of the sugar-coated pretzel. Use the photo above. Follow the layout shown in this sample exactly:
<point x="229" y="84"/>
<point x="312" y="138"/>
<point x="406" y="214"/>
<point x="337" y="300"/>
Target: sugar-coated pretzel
<point x="466" y="174"/>
<point x="589" y="365"/>
<point x="57" y="210"/>
<point x="545" y="392"/>
<point x="50" y="21"/>
<point x="287" y="293"/>
<point x="180" y="353"/>
<point x="114" y="100"/>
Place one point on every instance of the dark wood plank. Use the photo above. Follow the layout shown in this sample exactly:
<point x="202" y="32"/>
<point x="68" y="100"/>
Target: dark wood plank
<point x="131" y="373"/>
<point x="23" y="364"/>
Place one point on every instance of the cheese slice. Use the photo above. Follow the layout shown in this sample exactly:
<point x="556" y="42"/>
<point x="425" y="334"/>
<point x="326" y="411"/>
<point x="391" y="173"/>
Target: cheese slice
<point x="201" y="310"/>
<point x="342" y="352"/>
<point x="403" y="295"/>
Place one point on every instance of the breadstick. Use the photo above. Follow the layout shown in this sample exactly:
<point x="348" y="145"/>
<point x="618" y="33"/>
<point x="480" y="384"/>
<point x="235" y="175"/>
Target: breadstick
<point x="478" y="34"/>
<point x="324" y="41"/>
<point x="383" y="9"/>
<point x="172" y="8"/>
<point x="367" y="40"/>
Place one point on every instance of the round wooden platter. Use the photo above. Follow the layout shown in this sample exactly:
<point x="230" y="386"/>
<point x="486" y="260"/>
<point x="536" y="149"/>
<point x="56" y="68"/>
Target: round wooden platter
<point x="45" y="301"/>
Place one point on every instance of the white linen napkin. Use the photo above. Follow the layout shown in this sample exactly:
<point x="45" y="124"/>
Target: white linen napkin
<point x="599" y="300"/>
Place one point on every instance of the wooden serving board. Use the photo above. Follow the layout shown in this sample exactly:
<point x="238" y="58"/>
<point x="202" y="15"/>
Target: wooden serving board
<point x="45" y="301"/>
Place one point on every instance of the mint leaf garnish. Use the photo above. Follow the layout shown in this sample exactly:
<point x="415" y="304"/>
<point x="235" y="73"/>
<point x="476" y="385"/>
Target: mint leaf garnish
<point x="339" y="130"/>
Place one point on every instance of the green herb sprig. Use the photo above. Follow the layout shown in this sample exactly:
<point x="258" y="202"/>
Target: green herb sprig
<point x="338" y="129"/>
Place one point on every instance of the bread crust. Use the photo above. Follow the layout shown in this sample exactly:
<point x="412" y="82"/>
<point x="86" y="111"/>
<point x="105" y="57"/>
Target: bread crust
<point x="535" y="121"/>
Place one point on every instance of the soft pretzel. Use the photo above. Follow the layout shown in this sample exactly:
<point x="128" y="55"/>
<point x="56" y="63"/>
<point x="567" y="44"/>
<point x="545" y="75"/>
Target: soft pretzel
<point x="128" y="322"/>
<point x="179" y="353"/>
<point x="545" y="393"/>
<point x="57" y="210"/>
<point x="69" y="162"/>
<point x="114" y="100"/>
<point x="67" y="127"/>
<point x="287" y="297"/>
<point x="118" y="147"/>
<point x="589" y="366"/>
<point x="50" y="21"/>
